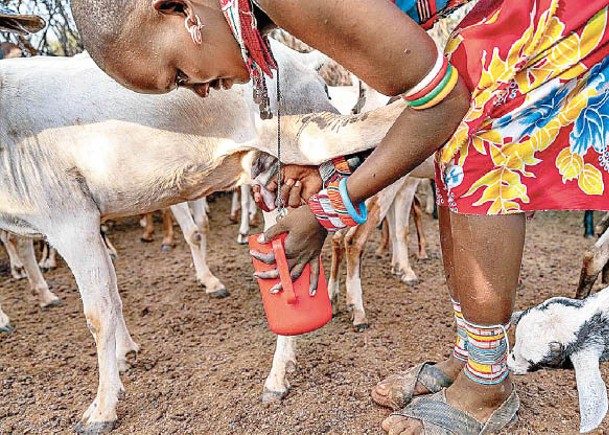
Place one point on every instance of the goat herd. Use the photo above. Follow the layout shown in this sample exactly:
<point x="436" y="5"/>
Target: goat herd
<point x="77" y="151"/>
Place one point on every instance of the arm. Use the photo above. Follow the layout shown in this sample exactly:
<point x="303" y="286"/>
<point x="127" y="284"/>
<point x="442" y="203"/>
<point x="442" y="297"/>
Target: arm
<point x="391" y="53"/>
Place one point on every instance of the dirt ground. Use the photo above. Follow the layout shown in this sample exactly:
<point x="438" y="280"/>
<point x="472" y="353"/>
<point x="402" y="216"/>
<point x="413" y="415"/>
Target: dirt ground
<point x="203" y="361"/>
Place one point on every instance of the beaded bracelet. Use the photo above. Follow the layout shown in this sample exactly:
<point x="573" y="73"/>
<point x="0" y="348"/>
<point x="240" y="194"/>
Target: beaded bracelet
<point x="434" y="87"/>
<point x="333" y="208"/>
<point x="341" y="167"/>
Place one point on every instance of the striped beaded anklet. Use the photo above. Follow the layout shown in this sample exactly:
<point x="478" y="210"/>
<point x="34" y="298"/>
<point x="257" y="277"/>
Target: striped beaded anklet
<point x="460" y="351"/>
<point x="488" y="350"/>
<point x="434" y="87"/>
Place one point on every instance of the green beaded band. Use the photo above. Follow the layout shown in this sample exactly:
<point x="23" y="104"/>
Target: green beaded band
<point x="433" y="94"/>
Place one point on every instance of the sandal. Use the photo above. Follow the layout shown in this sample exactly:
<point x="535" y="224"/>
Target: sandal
<point x="401" y="386"/>
<point x="439" y="418"/>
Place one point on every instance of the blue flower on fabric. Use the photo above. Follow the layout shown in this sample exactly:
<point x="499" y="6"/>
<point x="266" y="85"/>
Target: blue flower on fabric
<point x="591" y="128"/>
<point x="543" y="111"/>
<point x="453" y="176"/>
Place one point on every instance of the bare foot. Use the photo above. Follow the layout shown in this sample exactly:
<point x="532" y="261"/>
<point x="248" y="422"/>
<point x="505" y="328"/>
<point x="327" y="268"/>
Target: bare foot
<point x="479" y="401"/>
<point x="389" y="392"/>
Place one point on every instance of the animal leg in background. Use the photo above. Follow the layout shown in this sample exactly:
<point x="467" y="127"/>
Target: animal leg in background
<point x="417" y="215"/>
<point x="355" y="242"/>
<point x="147" y="222"/>
<point x="48" y="256"/>
<point x="168" y="243"/>
<point x="246" y="201"/>
<point x="17" y="270"/>
<point x="38" y="285"/>
<point x="338" y="251"/>
<point x="397" y="218"/>
<point x="195" y="235"/>
<point x="594" y="261"/>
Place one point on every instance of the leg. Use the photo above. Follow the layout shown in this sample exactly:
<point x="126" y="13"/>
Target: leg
<point x="235" y="205"/>
<point x="96" y="280"/>
<point x="485" y="280"/>
<point x="392" y="391"/>
<point x="196" y="237"/>
<point x="103" y="231"/>
<point x="355" y="242"/>
<point x="384" y="245"/>
<point x="595" y="260"/>
<point x="38" y="285"/>
<point x="398" y="219"/>
<point x="337" y="259"/>
<point x="254" y="216"/>
<point x="148" y="228"/>
<point x="17" y="270"/>
<point x="417" y="215"/>
<point x="167" y="244"/>
<point x="276" y="386"/>
<point x="48" y="260"/>
<point x="244" y="227"/>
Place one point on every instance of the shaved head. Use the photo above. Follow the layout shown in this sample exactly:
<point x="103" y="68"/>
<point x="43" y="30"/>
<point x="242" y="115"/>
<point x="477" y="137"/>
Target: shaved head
<point x="101" y="23"/>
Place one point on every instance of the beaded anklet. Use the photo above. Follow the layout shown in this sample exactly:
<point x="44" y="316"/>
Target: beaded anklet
<point x="434" y="87"/>
<point x="460" y="351"/>
<point x="488" y="350"/>
<point x="333" y="208"/>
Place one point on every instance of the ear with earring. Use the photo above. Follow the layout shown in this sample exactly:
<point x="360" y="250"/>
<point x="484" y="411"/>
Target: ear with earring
<point x="194" y="28"/>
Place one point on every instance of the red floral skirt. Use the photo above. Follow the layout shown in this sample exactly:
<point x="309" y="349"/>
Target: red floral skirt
<point x="536" y="134"/>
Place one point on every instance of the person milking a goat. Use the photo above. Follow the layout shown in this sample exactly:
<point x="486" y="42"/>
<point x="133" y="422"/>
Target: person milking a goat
<point x="515" y="109"/>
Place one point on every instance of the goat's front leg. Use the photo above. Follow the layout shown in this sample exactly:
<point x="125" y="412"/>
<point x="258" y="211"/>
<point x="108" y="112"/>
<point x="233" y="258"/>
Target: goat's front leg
<point x="276" y="386"/>
<point x="85" y="253"/>
<point x="38" y="285"/>
<point x="196" y="237"/>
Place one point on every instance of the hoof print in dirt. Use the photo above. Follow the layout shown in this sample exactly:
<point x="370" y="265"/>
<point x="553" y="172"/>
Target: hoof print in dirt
<point x="361" y="327"/>
<point x="219" y="294"/>
<point x="269" y="397"/>
<point x="97" y="428"/>
<point x="166" y="248"/>
<point x="53" y="304"/>
<point x="7" y="329"/>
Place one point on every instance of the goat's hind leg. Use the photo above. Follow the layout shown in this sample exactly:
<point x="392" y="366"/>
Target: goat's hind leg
<point x="96" y="280"/>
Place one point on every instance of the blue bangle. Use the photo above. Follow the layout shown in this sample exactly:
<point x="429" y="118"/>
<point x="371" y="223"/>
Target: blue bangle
<point x="360" y="217"/>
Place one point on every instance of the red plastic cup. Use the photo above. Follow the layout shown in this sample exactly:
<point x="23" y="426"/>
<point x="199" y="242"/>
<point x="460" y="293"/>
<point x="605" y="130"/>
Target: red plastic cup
<point x="292" y="311"/>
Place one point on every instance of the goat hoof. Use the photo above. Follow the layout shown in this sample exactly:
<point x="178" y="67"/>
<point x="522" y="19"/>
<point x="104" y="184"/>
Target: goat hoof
<point x="268" y="397"/>
<point x="411" y="282"/>
<point x="7" y="329"/>
<point x="361" y="327"/>
<point x="242" y="239"/>
<point x="144" y="240"/>
<point x="95" y="428"/>
<point x="53" y="303"/>
<point x="219" y="294"/>
<point x="166" y="248"/>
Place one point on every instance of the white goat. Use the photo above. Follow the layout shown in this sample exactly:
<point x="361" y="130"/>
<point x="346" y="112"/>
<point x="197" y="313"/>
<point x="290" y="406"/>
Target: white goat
<point x="86" y="150"/>
<point x="564" y="333"/>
